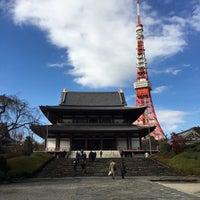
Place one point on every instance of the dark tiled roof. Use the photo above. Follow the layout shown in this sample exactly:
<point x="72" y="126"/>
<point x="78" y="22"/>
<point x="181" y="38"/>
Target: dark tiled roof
<point x="190" y="131"/>
<point x="54" y="130"/>
<point x="92" y="99"/>
<point x="131" y="113"/>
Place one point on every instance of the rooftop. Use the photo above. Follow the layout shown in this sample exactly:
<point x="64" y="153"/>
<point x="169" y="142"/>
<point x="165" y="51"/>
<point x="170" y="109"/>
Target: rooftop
<point x="69" y="98"/>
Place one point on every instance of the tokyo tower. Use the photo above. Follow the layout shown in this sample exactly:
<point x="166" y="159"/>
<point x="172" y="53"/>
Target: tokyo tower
<point x="143" y="85"/>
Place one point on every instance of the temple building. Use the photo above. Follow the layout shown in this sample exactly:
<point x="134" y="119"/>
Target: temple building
<point x="191" y="135"/>
<point x="92" y="121"/>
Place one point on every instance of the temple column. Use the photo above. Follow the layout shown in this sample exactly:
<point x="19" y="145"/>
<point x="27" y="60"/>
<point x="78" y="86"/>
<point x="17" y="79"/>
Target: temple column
<point x="86" y="143"/>
<point x="127" y="143"/>
<point x="140" y="141"/>
<point x="101" y="147"/>
<point x="57" y="143"/>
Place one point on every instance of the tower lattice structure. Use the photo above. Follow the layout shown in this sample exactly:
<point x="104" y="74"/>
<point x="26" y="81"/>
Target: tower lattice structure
<point x="143" y="85"/>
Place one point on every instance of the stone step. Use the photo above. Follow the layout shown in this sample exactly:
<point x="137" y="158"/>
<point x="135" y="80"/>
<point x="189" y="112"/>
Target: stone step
<point x="135" y="167"/>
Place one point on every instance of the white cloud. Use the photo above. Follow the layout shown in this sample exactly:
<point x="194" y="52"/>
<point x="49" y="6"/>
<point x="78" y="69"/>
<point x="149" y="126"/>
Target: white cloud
<point x="159" y="89"/>
<point x="172" y="71"/>
<point x="59" y="65"/>
<point x="186" y="65"/>
<point x="164" y="37"/>
<point x="167" y="1"/>
<point x="99" y="36"/>
<point x="195" y="19"/>
<point x="170" y="120"/>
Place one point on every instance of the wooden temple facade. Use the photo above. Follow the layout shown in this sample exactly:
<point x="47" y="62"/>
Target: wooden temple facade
<point x="92" y="121"/>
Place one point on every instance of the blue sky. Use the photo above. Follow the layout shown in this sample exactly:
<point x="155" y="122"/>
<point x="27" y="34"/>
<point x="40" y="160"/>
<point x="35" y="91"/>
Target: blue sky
<point x="88" y="45"/>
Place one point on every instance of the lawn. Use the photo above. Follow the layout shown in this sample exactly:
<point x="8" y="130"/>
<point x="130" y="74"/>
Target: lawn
<point x="187" y="162"/>
<point x="26" y="166"/>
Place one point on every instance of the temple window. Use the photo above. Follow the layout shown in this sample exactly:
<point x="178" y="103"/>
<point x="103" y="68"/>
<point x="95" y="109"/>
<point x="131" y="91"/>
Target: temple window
<point x="93" y="119"/>
<point x="80" y="119"/>
<point x="106" y="119"/>
<point x="67" y="119"/>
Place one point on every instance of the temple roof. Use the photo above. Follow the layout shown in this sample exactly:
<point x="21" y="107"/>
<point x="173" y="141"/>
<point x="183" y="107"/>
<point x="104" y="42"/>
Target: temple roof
<point x="92" y="98"/>
<point x="74" y="130"/>
<point x="92" y="103"/>
<point x="132" y="113"/>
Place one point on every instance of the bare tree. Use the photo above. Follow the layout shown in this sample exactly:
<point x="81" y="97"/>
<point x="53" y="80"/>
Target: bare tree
<point x="15" y="114"/>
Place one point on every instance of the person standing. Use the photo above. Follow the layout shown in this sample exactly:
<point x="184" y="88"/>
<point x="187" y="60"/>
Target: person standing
<point x="112" y="168"/>
<point x="122" y="154"/>
<point x="123" y="169"/>
<point x="83" y="166"/>
<point x="146" y="155"/>
<point x="101" y="153"/>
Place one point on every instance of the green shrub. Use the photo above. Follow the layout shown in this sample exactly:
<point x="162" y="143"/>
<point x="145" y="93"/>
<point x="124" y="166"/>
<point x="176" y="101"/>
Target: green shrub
<point x="193" y="147"/>
<point x="186" y="162"/>
<point x="1" y="149"/>
<point x="28" y="146"/>
<point x="164" y="147"/>
<point x="3" y="164"/>
<point x="17" y="173"/>
<point x="2" y="175"/>
<point x="25" y="166"/>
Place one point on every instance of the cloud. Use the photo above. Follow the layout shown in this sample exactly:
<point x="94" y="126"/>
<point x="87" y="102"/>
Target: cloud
<point x="92" y="32"/>
<point x="186" y="65"/>
<point x="99" y="36"/>
<point x="170" y="120"/>
<point x="195" y="19"/>
<point x="168" y="1"/>
<point x="172" y="71"/>
<point x="164" y="37"/>
<point x="169" y="70"/>
<point x="159" y="89"/>
<point x="59" y="65"/>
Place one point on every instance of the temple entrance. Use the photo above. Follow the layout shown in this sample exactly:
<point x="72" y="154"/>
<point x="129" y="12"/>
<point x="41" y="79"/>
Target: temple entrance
<point x="109" y="144"/>
<point x="78" y="144"/>
<point x="94" y="144"/>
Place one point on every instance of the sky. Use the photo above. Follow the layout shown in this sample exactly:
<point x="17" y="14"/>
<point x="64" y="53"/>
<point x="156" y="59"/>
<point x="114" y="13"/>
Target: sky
<point x="89" y="45"/>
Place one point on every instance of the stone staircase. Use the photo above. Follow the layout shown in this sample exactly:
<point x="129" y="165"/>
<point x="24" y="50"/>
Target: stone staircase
<point x="62" y="167"/>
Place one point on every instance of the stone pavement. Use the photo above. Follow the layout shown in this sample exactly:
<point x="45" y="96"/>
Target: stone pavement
<point x="101" y="188"/>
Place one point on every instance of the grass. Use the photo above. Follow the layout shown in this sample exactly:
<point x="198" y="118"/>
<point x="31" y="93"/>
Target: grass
<point x="26" y="166"/>
<point x="187" y="162"/>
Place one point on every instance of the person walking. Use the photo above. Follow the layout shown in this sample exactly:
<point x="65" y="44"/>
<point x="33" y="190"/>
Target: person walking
<point x="75" y="164"/>
<point x="83" y="166"/>
<point x="112" y="169"/>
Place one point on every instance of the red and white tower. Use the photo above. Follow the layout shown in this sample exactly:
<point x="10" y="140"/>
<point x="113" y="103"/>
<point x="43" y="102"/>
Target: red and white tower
<point x="143" y="85"/>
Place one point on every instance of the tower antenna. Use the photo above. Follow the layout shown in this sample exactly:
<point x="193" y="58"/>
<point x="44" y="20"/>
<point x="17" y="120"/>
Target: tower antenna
<point x="138" y="12"/>
<point x="143" y="85"/>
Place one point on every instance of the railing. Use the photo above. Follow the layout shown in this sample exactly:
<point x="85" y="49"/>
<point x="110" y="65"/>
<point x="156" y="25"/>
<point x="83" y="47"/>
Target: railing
<point x="95" y="124"/>
<point x="105" y="153"/>
<point x="52" y="149"/>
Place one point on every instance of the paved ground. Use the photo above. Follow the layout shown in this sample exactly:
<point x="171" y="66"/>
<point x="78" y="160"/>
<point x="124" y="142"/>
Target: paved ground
<point x="102" y="188"/>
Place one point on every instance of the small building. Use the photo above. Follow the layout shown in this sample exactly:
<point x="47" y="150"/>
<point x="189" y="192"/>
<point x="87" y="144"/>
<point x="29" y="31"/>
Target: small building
<point x="92" y="121"/>
<point x="191" y="135"/>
